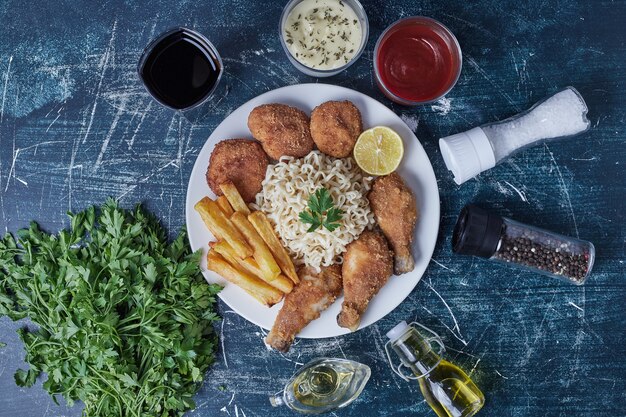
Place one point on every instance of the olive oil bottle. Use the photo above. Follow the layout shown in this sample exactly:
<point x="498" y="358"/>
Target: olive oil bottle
<point x="323" y="385"/>
<point x="446" y="388"/>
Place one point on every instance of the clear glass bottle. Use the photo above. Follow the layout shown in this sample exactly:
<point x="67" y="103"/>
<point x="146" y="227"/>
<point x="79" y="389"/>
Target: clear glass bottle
<point x="469" y="153"/>
<point x="447" y="389"/>
<point x="323" y="385"/>
<point x="488" y="235"/>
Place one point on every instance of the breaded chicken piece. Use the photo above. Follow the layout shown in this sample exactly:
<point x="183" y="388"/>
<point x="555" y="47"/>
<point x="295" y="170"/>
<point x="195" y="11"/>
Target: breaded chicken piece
<point x="241" y="161"/>
<point x="282" y="130"/>
<point x="395" y="209"/>
<point x="335" y="127"/>
<point x="367" y="266"/>
<point x="315" y="292"/>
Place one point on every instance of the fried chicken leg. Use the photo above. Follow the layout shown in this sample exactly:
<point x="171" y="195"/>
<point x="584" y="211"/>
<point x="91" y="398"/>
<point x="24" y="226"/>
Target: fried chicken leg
<point x="314" y="293"/>
<point x="394" y="207"/>
<point x="367" y="265"/>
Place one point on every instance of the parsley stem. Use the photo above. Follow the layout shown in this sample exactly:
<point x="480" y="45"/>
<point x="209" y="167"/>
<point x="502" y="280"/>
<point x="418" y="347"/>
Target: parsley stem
<point x="45" y="342"/>
<point x="150" y="392"/>
<point x="106" y="382"/>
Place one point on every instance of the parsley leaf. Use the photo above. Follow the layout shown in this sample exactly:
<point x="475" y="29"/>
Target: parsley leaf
<point x="314" y="203"/>
<point x="307" y="218"/>
<point x="125" y="318"/>
<point x="321" y="212"/>
<point x="332" y="217"/>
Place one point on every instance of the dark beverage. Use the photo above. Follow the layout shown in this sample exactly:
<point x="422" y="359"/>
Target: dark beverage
<point x="180" y="69"/>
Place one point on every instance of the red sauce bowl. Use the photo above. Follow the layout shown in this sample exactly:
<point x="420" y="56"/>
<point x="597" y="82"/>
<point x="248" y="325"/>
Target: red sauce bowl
<point x="417" y="60"/>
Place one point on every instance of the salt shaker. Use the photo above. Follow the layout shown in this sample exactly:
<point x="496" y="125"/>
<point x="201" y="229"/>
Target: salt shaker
<point x="488" y="235"/>
<point x="467" y="154"/>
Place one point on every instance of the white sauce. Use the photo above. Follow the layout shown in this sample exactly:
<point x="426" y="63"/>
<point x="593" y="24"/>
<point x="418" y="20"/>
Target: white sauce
<point x="322" y="34"/>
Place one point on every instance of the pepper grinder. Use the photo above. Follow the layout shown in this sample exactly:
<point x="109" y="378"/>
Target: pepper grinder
<point x="488" y="235"/>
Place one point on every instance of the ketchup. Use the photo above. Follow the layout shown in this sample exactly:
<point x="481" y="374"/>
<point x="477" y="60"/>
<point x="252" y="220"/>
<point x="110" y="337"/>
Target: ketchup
<point x="418" y="60"/>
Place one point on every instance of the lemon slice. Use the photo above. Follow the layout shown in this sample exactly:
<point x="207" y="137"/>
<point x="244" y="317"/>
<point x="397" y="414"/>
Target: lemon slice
<point x="379" y="150"/>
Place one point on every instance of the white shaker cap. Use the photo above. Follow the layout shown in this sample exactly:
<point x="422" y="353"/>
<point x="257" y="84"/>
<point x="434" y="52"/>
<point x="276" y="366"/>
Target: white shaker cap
<point x="467" y="154"/>
<point x="397" y="331"/>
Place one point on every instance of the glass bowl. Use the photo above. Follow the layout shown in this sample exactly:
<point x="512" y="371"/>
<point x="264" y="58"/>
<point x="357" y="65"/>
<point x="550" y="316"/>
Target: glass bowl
<point x="313" y="72"/>
<point x="200" y="108"/>
<point x="448" y="38"/>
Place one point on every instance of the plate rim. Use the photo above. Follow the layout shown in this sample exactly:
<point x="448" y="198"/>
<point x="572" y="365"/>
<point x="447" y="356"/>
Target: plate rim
<point x="428" y="253"/>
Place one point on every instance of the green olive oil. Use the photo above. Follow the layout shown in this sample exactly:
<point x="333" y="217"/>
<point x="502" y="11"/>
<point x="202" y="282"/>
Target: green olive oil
<point x="316" y="387"/>
<point x="323" y="385"/>
<point x="447" y="389"/>
<point x="450" y="392"/>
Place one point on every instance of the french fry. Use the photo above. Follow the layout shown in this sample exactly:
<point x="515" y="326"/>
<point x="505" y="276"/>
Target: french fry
<point x="234" y="198"/>
<point x="282" y="283"/>
<point x="221" y="227"/>
<point x="260" y="290"/>
<point x="248" y="264"/>
<point x="263" y="226"/>
<point x="262" y="254"/>
<point x="222" y="201"/>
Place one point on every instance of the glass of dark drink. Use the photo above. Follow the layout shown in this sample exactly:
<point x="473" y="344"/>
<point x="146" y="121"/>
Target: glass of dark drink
<point x="181" y="70"/>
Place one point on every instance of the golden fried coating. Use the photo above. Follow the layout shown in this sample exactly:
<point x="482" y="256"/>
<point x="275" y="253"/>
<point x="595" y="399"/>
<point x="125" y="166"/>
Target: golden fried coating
<point x="367" y="266"/>
<point x="335" y="127"/>
<point x="241" y="161"/>
<point x="315" y="292"/>
<point x="395" y="209"/>
<point x="281" y="129"/>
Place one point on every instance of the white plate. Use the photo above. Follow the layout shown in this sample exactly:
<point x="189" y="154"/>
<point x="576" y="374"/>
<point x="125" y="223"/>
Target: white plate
<point x="415" y="169"/>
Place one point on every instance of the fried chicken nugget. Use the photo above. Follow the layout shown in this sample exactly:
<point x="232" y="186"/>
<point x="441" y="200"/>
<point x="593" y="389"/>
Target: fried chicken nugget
<point x="335" y="127"/>
<point x="282" y="130"/>
<point x="241" y="161"/>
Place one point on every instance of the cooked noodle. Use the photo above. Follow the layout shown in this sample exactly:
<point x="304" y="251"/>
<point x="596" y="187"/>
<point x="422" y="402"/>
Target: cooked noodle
<point x="286" y="190"/>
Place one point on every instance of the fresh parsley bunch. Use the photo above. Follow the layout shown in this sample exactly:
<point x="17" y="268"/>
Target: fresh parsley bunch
<point x="124" y="317"/>
<point x="321" y="212"/>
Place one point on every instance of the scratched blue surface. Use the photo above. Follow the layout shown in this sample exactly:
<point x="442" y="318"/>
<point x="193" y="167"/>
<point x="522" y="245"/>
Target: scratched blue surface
<point x="76" y="127"/>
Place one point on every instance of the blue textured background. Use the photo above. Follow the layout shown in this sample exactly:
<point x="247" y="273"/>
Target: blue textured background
<point x="76" y="126"/>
